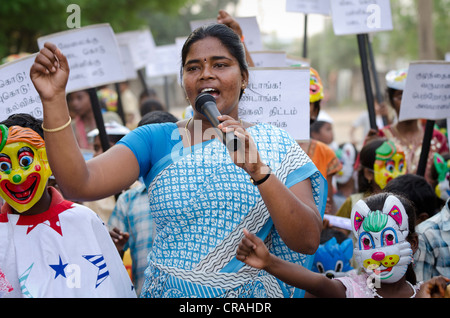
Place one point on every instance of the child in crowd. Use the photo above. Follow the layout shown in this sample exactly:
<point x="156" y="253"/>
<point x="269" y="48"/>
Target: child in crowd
<point x="419" y="191"/>
<point x="49" y="247"/>
<point x="384" y="227"/>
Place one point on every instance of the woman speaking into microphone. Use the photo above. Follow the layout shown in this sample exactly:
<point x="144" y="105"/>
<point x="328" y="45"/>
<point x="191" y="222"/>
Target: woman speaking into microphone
<point x="201" y="194"/>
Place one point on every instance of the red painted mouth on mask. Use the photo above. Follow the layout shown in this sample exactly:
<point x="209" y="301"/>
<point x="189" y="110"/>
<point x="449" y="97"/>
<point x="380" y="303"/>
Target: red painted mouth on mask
<point x="378" y="272"/>
<point x="24" y="192"/>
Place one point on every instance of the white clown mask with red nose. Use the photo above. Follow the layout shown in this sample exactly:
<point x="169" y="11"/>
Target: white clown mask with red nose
<point x="381" y="247"/>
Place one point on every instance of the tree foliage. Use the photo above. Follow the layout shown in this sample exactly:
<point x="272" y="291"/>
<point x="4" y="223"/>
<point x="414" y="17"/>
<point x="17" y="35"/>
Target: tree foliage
<point x="23" y="21"/>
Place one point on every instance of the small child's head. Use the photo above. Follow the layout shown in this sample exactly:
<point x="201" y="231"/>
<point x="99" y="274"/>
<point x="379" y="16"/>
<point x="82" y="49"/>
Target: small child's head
<point x="418" y="191"/>
<point x="383" y="225"/>
<point x="24" y="168"/>
<point x="322" y="131"/>
<point x="381" y="161"/>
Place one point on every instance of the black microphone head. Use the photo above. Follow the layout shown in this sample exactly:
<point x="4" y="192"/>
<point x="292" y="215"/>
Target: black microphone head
<point x="202" y="99"/>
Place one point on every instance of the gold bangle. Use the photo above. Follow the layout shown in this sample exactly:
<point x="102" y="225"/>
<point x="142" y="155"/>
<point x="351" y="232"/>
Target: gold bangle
<point x="57" y="129"/>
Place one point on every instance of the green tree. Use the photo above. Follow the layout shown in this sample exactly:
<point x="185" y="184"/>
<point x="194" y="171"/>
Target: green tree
<point x="23" y="21"/>
<point x="166" y="27"/>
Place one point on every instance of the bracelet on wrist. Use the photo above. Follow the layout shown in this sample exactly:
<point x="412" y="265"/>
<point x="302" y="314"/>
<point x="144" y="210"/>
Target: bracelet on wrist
<point x="264" y="179"/>
<point x="57" y="129"/>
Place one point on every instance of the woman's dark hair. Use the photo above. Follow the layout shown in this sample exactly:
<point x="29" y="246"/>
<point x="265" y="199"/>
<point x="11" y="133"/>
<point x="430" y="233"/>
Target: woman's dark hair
<point x="376" y="202"/>
<point x="225" y="35"/>
<point x="367" y="160"/>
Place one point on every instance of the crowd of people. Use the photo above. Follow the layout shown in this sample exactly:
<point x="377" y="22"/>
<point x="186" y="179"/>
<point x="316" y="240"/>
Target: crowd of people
<point x="190" y="217"/>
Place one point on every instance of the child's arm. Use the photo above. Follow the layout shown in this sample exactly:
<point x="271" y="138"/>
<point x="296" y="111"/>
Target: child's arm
<point x="253" y="252"/>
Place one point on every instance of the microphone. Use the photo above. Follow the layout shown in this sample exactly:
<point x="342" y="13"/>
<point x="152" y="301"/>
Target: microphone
<point x="206" y="104"/>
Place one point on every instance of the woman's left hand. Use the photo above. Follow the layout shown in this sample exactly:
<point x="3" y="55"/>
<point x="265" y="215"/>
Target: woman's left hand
<point x="246" y="156"/>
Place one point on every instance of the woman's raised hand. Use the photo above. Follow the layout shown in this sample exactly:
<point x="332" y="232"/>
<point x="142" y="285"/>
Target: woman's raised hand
<point x="50" y="72"/>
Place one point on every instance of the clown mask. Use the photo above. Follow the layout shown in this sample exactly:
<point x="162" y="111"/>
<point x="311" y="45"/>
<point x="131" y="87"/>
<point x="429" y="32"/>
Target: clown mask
<point x="442" y="167"/>
<point x="389" y="163"/>
<point x="381" y="247"/>
<point x="315" y="86"/>
<point x="24" y="169"/>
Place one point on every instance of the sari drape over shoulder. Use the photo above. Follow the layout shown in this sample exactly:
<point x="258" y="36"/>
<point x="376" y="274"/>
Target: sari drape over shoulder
<point x="201" y="202"/>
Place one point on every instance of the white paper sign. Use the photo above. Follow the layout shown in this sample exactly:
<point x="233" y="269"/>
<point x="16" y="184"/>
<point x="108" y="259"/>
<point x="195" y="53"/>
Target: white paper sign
<point x="250" y="29"/>
<point x="17" y="92"/>
<point x="427" y="91"/>
<point x="308" y="6"/>
<point x="447" y="56"/>
<point x="361" y="16"/>
<point x="127" y="62"/>
<point x="93" y="55"/>
<point x="280" y="97"/>
<point x="167" y="61"/>
<point x="269" y="58"/>
<point x="141" y="44"/>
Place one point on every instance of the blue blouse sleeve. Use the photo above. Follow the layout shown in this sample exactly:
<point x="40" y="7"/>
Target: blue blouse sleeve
<point x="149" y="143"/>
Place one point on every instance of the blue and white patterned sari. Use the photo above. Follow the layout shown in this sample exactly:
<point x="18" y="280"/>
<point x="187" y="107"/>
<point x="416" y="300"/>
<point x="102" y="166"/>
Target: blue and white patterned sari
<point x="201" y="202"/>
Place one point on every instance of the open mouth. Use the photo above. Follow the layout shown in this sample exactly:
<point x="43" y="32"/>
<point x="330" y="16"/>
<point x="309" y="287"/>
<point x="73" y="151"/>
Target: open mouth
<point x="24" y="192"/>
<point x="212" y="91"/>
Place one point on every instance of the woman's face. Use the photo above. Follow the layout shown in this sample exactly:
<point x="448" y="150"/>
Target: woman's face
<point x="210" y="68"/>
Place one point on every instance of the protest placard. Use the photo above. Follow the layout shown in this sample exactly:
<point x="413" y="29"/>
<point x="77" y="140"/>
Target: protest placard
<point x="427" y="91"/>
<point x="141" y="45"/>
<point x="93" y="55"/>
<point x="250" y="29"/>
<point x="361" y="16"/>
<point x="127" y="62"/>
<point x="308" y="6"/>
<point x="280" y="97"/>
<point x="167" y="61"/>
<point x="17" y="92"/>
<point x="269" y="58"/>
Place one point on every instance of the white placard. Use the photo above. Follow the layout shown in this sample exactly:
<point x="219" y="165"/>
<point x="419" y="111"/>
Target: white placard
<point x="338" y="221"/>
<point x="427" y="91"/>
<point x="447" y="56"/>
<point x="167" y="61"/>
<point x="17" y="92"/>
<point x="250" y="30"/>
<point x="141" y="44"/>
<point x="93" y="55"/>
<point x="280" y="97"/>
<point x="308" y="6"/>
<point x="269" y="58"/>
<point x="361" y="16"/>
<point x="127" y="62"/>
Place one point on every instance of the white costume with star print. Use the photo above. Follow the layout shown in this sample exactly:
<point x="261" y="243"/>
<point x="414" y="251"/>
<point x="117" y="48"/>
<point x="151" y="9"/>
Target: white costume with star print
<point x="63" y="252"/>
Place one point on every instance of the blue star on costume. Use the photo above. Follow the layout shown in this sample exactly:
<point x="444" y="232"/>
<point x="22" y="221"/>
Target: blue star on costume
<point x="59" y="268"/>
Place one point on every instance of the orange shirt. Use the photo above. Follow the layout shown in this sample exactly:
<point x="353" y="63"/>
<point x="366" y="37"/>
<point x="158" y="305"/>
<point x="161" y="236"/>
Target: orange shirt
<point x="322" y="156"/>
